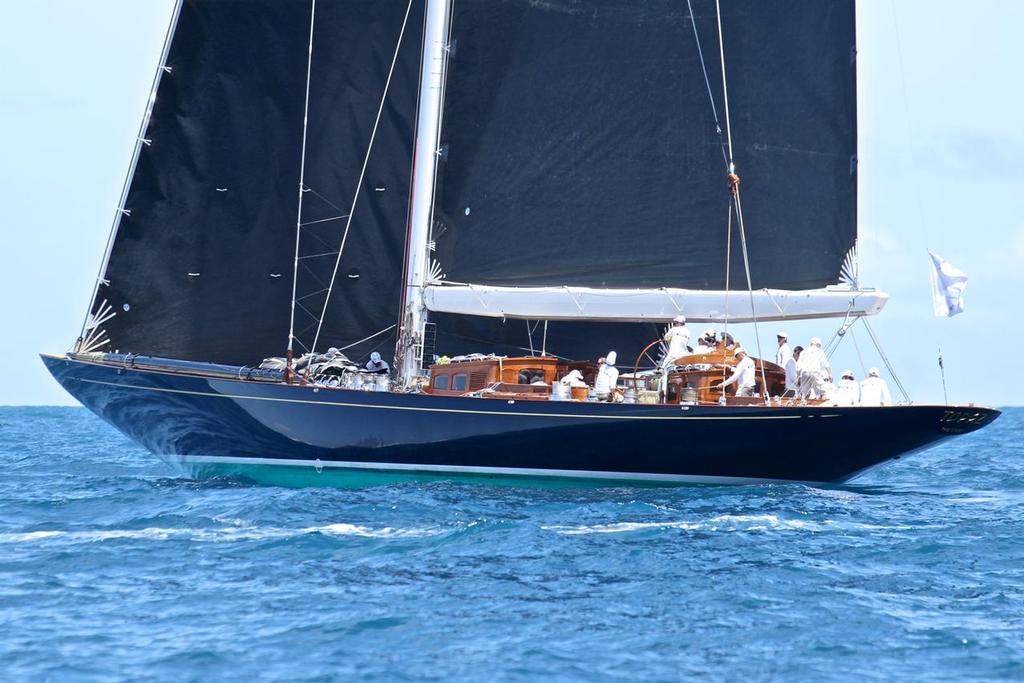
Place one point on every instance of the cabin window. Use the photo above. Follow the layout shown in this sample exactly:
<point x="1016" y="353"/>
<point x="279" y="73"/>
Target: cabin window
<point x="460" y="381"/>
<point x="441" y="382"/>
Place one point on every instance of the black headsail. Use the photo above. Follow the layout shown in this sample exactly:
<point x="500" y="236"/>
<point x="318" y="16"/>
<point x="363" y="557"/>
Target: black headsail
<point x="581" y="148"/>
<point x="201" y="267"/>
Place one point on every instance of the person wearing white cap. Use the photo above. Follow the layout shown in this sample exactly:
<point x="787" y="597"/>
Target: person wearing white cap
<point x="573" y="379"/>
<point x="813" y="371"/>
<point x="377" y="364"/>
<point x="678" y="339"/>
<point x="847" y="391"/>
<point x="708" y="342"/>
<point x="783" y="355"/>
<point x="874" y="391"/>
<point x="607" y="378"/>
<point x="743" y="374"/>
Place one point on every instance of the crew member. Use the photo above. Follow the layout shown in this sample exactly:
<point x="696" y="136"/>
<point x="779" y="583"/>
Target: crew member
<point x="708" y="342"/>
<point x="813" y="371"/>
<point x="743" y="374"/>
<point x="678" y="339"/>
<point x="573" y="379"/>
<point x="874" y="391"/>
<point x="377" y="365"/>
<point x="607" y="378"/>
<point x="791" y="383"/>
<point x="847" y="391"/>
<point x="783" y="354"/>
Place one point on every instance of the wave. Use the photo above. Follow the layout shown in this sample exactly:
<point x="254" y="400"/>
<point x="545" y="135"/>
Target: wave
<point x="215" y="535"/>
<point x="728" y="523"/>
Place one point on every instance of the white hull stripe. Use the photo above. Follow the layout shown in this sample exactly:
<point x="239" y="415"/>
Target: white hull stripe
<point x="471" y="469"/>
<point x="467" y="411"/>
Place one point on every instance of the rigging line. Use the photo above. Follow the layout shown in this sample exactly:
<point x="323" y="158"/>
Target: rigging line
<point x="725" y="91"/>
<point x="362" y="172"/>
<point x="906" y="120"/>
<point x="860" y="358"/>
<point x="728" y="261"/>
<point x="735" y="189"/>
<point x="321" y="254"/>
<point x="750" y="287"/>
<point x="326" y="200"/>
<point x="366" y="339"/>
<point x="325" y="220"/>
<point x="302" y="185"/>
<point x="885" y="359"/>
<point x="707" y="80"/>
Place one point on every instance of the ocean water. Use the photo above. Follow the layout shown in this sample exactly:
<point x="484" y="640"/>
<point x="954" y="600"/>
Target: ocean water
<point x="113" y="568"/>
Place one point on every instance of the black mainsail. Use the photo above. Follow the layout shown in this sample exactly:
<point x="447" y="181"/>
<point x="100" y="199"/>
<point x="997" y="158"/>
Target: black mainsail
<point x="581" y="149"/>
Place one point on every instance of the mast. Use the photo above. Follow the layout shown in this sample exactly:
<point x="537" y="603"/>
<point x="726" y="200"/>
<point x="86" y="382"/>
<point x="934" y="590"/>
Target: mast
<point x="425" y="153"/>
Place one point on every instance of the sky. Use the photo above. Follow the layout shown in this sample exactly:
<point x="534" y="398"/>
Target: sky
<point x="941" y="153"/>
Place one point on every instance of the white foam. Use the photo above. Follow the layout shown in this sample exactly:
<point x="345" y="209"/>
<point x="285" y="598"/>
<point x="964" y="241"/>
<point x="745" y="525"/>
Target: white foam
<point x="618" y="528"/>
<point x="216" y="535"/>
<point x="727" y="522"/>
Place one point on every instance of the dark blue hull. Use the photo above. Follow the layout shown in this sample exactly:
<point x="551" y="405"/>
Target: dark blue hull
<point x="212" y="425"/>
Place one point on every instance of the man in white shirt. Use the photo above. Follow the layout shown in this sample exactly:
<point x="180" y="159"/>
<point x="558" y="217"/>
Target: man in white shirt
<point x="743" y="374"/>
<point x="607" y="378"/>
<point x="847" y="392"/>
<point x="874" y="391"/>
<point x="783" y="355"/>
<point x="813" y="370"/>
<point x="707" y="343"/>
<point x="678" y="339"/>
<point x="791" y="383"/>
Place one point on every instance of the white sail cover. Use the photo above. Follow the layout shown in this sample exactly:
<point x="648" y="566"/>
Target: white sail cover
<point x="651" y="305"/>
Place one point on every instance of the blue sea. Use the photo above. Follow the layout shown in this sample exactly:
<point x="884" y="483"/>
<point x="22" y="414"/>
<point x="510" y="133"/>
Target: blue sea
<point x="114" y="568"/>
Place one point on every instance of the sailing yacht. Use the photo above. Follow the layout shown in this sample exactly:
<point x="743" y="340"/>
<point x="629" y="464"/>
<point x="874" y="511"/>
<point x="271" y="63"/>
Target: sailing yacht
<point x="492" y="194"/>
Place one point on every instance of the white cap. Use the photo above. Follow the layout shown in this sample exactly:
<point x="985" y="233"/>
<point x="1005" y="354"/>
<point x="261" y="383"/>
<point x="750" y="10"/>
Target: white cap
<point x="679" y="319"/>
<point x="574" y="374"/>
<point x="873" y="372"/>
<point x="847" y="373"/>
<point x="782" y="334"/>
<point x="375" y="357"/>
<point x="611" y="358"/>
<point x="738" y="351"/>
<point x="815" y="341"/>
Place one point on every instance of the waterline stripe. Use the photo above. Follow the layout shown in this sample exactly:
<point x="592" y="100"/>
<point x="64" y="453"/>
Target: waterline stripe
<point x="413" y="468"/>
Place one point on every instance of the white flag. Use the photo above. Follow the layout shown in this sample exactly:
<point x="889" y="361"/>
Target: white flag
<point x="948" y="284"/>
